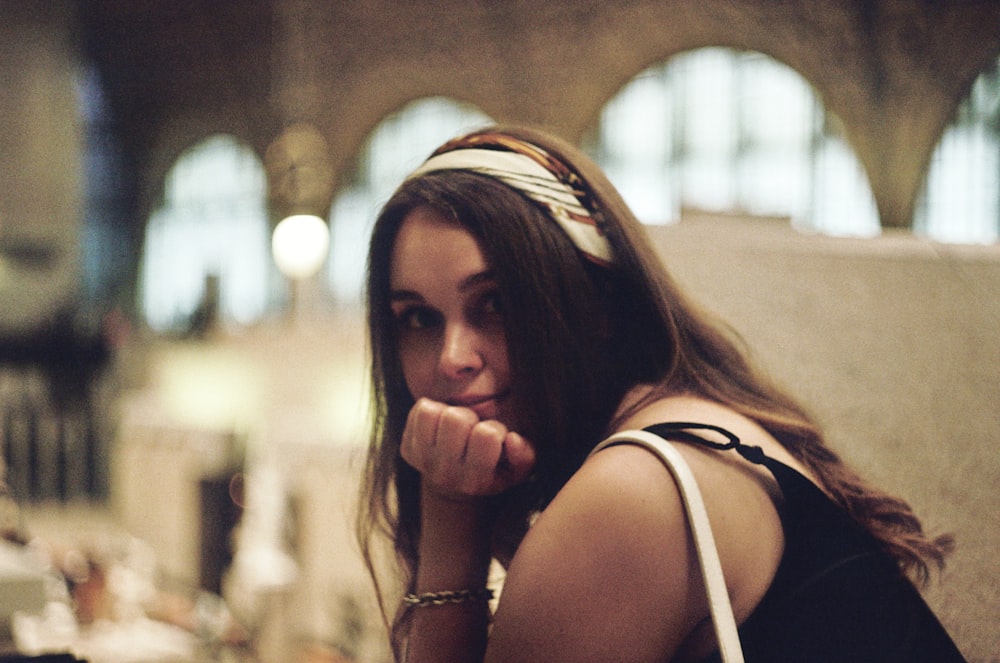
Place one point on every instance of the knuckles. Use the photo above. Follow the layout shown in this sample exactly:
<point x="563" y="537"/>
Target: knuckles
<point x="451" y="447"/>
<point x="457" y="420"/>
<point x="436" y="434"/>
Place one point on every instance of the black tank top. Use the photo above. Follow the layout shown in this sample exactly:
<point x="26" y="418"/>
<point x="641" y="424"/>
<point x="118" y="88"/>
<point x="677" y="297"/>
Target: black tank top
<point x="836" y="596"/>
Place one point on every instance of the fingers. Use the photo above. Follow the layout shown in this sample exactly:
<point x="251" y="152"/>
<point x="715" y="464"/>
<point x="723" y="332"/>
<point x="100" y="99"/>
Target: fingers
<point x="421" y="426"/>
<point x="436" y="435"/>
<point x="460" y="456"/>
<point x="482" y="458"/>
<point x="518" y="456"/>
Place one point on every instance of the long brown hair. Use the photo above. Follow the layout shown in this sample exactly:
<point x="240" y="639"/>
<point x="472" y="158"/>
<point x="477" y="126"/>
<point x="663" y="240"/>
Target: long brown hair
<point x="579" y="336"/>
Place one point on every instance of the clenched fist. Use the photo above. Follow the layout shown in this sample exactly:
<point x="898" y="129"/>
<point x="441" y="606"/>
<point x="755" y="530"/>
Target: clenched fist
<point x="460" y="456"/>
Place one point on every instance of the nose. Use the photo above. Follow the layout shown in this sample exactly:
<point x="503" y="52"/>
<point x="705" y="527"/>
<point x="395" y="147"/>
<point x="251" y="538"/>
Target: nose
<point x="460" y="352"/>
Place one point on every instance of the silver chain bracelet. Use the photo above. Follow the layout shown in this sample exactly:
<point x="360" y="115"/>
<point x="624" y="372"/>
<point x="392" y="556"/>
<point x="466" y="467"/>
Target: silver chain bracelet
<point x="453" y="596"/>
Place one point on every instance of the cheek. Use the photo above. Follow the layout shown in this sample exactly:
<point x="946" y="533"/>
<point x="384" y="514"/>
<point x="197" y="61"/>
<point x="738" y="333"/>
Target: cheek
<point x="418" y="365"/>
<point x="498" y="357"/>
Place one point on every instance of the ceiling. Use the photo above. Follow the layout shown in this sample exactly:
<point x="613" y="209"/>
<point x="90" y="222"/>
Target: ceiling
<point x="167" y="58"/>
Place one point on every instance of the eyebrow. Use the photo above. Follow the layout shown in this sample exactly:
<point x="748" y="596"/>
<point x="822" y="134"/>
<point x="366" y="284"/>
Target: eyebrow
<point x="469" y="282"/>
<point x="404" y="295"/>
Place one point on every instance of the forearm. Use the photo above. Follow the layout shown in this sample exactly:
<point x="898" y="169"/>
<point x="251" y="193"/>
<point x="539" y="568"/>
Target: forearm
<point x="454" y="555"/>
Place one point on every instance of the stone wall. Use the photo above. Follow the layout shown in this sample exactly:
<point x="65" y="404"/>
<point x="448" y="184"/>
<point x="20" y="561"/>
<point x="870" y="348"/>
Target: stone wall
<point x="892" y="343"/>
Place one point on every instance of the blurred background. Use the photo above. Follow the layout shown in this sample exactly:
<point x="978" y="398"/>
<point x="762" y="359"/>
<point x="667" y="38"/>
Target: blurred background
<point x="186" y="190"/>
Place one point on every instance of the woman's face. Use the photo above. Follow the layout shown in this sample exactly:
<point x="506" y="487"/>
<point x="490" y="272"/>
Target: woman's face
<point x="448" y="317"/>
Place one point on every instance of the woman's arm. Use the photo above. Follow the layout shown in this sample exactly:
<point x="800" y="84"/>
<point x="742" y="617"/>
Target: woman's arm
<point x="607" y="572"/>
<point x="454" y="555"/>
<point x="463" y="462"/>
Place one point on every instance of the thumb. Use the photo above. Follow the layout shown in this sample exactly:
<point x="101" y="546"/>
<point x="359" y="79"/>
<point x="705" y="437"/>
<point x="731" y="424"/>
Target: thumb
<point x="518" y="456"/>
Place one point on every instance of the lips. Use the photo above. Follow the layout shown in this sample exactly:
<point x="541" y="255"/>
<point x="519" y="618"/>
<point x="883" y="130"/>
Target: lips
<point x="486" y="406"/>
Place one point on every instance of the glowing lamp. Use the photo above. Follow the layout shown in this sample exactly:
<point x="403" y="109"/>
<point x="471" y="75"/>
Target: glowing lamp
<point x="299" y="244"/>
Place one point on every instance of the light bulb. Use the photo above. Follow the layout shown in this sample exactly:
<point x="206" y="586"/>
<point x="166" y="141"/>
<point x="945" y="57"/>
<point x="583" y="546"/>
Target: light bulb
<point x="299" y="244"/>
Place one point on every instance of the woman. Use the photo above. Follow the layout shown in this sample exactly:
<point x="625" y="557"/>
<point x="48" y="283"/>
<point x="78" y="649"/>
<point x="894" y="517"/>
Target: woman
<point x="517" y="317"/>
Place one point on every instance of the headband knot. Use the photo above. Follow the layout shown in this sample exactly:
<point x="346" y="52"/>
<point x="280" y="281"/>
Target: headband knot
<point x="535" y="173"/>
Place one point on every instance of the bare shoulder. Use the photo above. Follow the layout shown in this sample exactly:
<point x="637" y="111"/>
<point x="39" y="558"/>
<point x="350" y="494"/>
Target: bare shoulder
<point x="741" y="497"/>
<point x="608" y="565"/>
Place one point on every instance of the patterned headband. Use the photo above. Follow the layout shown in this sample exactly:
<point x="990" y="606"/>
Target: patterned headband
<point x="535" y="173"/>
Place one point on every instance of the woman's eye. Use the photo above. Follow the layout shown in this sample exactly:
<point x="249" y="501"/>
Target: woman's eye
<point x="491" y="303"/>
<point x="417" y="318"/>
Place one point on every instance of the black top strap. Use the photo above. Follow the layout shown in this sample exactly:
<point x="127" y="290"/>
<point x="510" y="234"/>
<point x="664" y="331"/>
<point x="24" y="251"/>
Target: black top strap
<point x="680" y="431"/>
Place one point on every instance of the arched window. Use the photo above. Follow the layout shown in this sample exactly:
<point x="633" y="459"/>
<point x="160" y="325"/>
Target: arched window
<point x="209" y="239"/>
<point x="397" y="146"/>
<point x="960" y="201"/>
<point x="730" y="131"/>
<point x="635" y="146"/>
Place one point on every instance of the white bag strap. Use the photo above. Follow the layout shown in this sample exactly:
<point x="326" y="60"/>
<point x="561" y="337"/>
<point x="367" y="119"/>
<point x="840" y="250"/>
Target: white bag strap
<point x="708" y="556"/>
